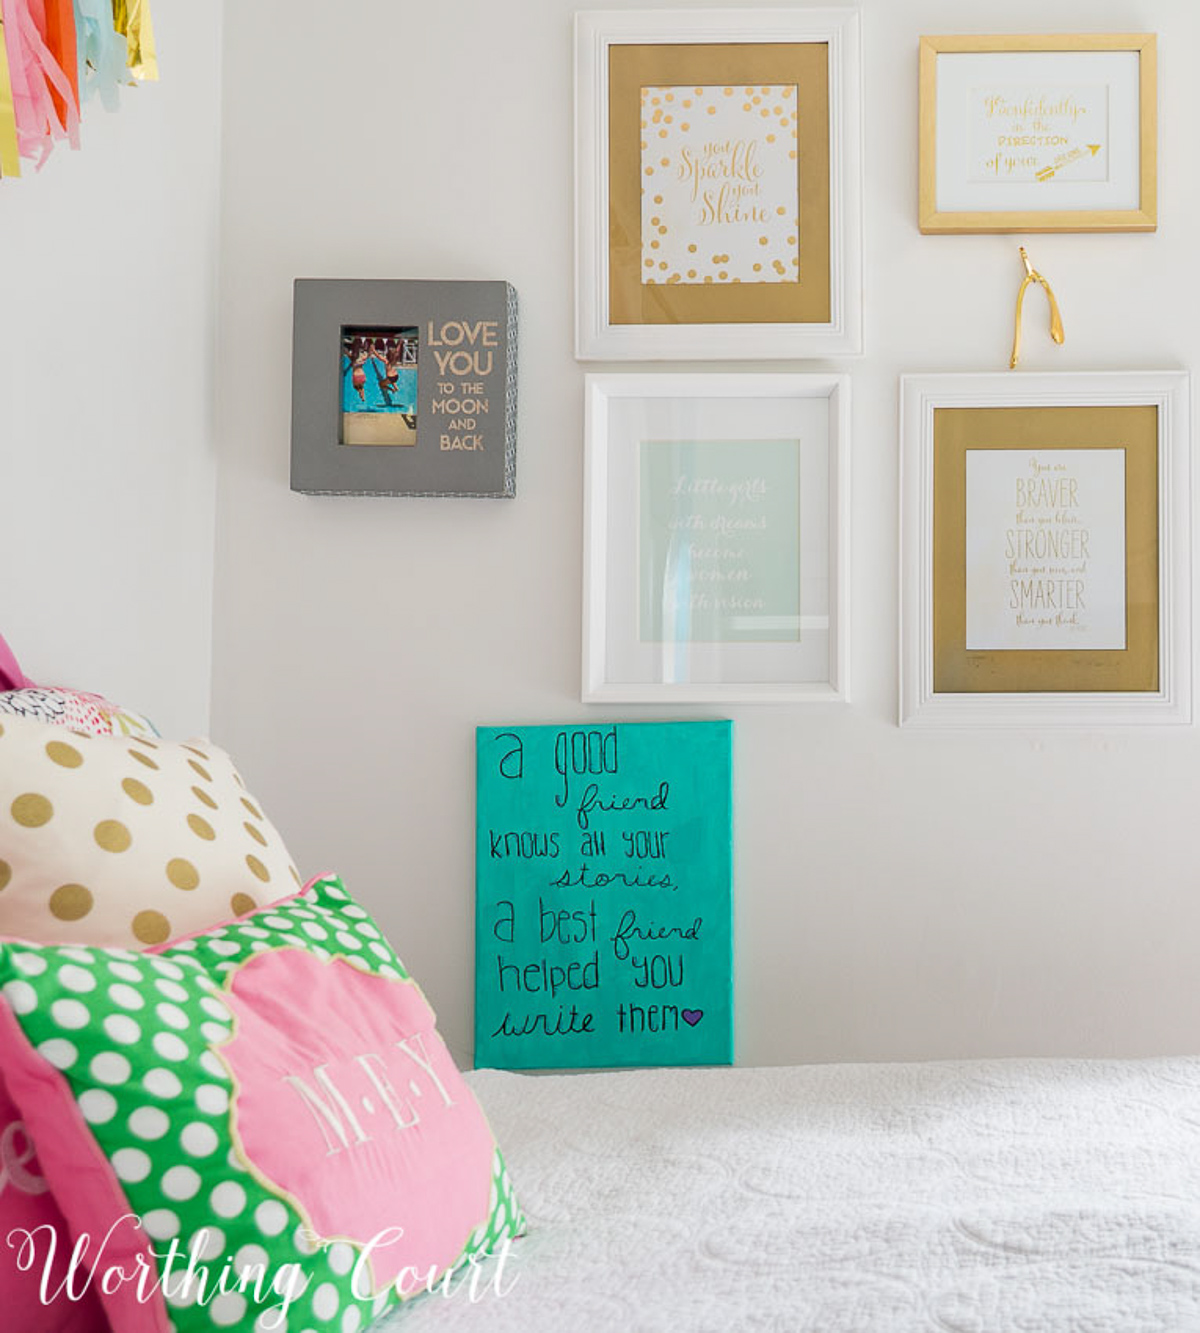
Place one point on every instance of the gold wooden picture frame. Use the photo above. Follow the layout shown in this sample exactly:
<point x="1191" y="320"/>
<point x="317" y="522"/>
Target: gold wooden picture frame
<point x="1029" y="133"/>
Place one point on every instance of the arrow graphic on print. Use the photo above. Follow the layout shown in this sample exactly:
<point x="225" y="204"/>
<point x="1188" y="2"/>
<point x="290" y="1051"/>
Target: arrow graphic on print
<point x="1046" y="173"/>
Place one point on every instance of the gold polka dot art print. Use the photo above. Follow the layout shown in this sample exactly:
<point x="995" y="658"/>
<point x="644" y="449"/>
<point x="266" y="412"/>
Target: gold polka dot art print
<point x="720" y="186"/>
<point x="126" y="842"/>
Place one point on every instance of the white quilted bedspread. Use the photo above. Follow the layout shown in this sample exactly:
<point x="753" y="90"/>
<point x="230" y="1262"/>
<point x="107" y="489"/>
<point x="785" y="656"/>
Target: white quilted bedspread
<point x="987" y="1197"/>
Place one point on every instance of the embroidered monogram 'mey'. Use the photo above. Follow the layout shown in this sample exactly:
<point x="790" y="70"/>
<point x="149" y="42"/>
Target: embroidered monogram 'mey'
<point x="356" y="1100"/>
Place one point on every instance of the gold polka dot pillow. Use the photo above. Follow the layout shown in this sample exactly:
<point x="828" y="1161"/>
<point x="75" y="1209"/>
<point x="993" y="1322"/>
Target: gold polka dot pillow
<point x="127" y="842"/>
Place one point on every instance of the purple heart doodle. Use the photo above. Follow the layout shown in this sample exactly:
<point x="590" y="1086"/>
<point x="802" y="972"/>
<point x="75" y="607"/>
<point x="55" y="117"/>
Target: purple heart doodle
<point x="692" y="1016"/>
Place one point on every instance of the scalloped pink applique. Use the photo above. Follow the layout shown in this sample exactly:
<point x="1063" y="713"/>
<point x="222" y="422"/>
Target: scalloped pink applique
<point x="349" y="1103"/>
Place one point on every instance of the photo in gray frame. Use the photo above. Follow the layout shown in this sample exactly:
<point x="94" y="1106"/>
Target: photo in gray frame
<point x="404" y="387"/>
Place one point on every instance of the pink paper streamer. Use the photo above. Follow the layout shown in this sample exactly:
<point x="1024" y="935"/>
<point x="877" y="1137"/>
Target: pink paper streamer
<point x="33" y="72"/>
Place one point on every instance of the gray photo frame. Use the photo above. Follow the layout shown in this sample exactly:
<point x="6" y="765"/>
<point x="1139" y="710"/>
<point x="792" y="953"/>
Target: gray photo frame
<point x="404" y="387"/>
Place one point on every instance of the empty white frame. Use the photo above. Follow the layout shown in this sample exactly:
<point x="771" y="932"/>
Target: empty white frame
<point x="751" y="119"/>
<point x="717" y="517"/>
<point x="1045" y="549"/>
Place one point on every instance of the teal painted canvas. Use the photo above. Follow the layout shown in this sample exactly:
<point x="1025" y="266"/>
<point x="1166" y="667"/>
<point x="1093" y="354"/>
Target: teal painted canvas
<point x="719" y="541"/>
<point x="604" y="895"/>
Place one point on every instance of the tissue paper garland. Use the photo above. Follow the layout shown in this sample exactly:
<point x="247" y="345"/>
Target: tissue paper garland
<point x="51" y="51"/>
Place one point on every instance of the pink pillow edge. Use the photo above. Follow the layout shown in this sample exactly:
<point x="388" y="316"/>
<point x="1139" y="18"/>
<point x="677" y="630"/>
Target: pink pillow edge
<point x="81" y="1178"/>
<point x="10" y="670"/>
<point x="29" y="1213"/>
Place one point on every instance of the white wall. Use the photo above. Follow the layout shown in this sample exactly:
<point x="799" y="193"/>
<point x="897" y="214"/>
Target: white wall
<point x="107" y="471"/>
<point x="898" y="895"/>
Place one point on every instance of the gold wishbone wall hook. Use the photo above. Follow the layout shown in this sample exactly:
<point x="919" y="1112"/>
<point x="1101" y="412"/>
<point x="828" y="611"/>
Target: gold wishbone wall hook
<point x="1056" y="324"/>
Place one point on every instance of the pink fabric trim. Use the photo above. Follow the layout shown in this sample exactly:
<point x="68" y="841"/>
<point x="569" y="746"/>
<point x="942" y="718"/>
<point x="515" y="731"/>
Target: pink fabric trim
<point x="84" y="1183"/>
<point x="11" y="675"/>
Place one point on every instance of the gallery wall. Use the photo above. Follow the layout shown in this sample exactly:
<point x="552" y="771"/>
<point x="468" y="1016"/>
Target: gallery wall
<point x="897" y="895"/>
<point x="108" y="478"/>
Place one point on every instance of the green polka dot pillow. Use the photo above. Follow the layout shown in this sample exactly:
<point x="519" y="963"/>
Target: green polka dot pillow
<point x="256" y="1128"/>
<point x="126" y="841"/>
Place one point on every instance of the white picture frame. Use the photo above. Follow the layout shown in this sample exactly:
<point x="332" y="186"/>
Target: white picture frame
<point x="764" y="523"/>
<point x="709" y="328"/>
<point x="943" y="682"/>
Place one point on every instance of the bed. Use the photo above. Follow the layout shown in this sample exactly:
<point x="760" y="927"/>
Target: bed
<point x="1005" y="1196"/>
<point x="311" y="1105"/>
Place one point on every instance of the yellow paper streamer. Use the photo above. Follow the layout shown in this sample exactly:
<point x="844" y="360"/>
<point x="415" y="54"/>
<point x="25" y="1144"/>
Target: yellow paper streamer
<point x="10" y="160"/>
<point x="131" y="18"/>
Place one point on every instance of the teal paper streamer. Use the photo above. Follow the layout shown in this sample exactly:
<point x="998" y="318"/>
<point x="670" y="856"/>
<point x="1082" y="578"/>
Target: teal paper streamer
<point x="102" y="52"/>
